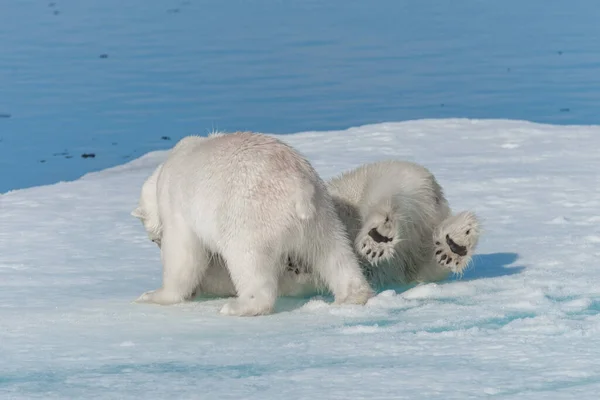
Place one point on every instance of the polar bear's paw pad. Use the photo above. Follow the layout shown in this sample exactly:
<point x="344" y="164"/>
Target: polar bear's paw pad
<point x="451" y="255"/>
<point x="376" y="246"/>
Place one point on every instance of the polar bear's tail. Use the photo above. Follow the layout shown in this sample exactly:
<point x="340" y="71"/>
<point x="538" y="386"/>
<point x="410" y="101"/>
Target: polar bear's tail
<point x="305" y="194"/>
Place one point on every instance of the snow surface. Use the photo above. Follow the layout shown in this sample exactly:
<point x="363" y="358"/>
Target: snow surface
<point x="522" y="323"/>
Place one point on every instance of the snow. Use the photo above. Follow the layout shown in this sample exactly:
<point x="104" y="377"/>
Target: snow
<point x="523" y="322"/>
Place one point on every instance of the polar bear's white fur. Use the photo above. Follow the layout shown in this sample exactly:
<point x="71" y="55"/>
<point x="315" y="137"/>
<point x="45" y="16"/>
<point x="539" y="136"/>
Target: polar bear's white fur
<point x="401" y="225"/>
<point x="246" y="202"/>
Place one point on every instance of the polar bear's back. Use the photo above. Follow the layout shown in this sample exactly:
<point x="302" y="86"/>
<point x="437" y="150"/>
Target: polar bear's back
<point x="408" y="188"/>
<point x="230" y="182"/>
<point x="413" y="186"/>
<point x="385" y="178"/>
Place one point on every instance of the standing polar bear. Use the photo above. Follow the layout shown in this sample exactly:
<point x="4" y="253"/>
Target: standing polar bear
<point x="244" y="202"/>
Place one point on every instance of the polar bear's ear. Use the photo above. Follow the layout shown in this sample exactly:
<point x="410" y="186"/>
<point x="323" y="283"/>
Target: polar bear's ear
<point x="138" y="213"/>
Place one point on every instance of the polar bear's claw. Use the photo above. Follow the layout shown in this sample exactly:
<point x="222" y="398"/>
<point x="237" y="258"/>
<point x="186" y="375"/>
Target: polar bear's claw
<point x="377" y="243"/>
<point x="378" y="237"/>
<point x="375" y="252"/>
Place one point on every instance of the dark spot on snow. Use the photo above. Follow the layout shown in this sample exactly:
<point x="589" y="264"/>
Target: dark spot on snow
<point x="88" y="155"/>
<point x="449" y="260"/>
<point x="437" y="253"/>
<point x="104" y="55"/>
<point x="165" y="138"/>
<point x="565" y="109"/>
<point x="443" y="257"/>
<point x="380" y="253"/>
<point x="368" y="251"/>
<point x="437" y="243"/>
<point x="467" y="232"/>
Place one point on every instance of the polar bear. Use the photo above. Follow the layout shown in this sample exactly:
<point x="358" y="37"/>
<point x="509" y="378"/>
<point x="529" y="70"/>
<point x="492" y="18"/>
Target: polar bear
<point x="399" y="220"/>
<point x="244" y="202"/>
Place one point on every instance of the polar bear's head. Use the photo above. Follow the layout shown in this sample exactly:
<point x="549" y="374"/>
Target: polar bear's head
<point x="151" y="224"/>
<point x="147" y="209"/>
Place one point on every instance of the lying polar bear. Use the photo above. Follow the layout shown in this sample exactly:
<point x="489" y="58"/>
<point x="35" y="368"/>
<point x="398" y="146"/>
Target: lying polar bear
<point x="243" y="202"/>
<point x="401" y="225"/>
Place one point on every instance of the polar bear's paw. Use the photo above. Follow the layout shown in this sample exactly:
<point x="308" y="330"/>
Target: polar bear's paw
<point x="455" y="240"/>
<point x="357" y="293"/>
<point x="376" y="243"/>
<point x="296" y="267"/>
<point x="159" y="296"/>
<point x="246" y="307"/>
<point x="449" y="254"/>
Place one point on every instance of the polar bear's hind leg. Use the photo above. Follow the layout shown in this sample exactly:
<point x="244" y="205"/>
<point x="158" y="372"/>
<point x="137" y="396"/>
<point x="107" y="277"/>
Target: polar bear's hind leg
<point x="254" y="274"/>
<point x="340" y="271"/>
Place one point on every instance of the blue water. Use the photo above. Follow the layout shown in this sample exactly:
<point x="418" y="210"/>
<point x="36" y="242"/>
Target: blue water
<point x="113" y="77"/>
